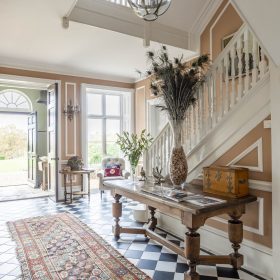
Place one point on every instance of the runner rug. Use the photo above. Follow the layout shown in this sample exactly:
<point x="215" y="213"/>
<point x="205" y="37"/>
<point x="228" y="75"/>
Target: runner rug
<point x="62" y="247"/>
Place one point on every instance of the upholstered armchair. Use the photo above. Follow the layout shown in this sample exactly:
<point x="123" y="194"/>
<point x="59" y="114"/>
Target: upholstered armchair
<point x="110" y="166"/>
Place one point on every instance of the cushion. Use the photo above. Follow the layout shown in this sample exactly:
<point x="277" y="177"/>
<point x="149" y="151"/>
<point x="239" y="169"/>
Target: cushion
<point x="112" y="172"/>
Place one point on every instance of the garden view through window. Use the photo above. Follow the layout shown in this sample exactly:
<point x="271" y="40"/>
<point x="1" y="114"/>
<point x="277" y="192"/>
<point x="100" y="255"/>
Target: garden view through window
<point x="104" y="121"/>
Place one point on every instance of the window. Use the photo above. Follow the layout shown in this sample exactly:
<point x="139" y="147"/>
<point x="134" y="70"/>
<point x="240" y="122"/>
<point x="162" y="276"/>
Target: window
<point x="104" y="121"/>
<point x="14" y="100"/>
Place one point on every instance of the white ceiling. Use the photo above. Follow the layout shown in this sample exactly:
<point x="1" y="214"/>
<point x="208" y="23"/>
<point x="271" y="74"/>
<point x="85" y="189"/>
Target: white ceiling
<point x="32" y="37"/>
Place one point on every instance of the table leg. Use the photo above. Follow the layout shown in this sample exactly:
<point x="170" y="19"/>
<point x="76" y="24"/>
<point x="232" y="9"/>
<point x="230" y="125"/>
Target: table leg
<point x="235" y="233"/>
<point x="192" y="252"/>
<point x="117" y="213"/>
<point x="82" y="184"/>
<point x="71" y="187"/>
<point x="65" y="189"/>
<point x="88" y="186"/>
<point x="153" y="220"/>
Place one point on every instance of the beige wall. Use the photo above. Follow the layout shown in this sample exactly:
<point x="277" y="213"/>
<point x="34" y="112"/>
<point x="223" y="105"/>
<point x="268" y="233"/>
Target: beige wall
<point x="142" y="94"/>
<point x="225" y="22"/>
<point x="253" y="214"/>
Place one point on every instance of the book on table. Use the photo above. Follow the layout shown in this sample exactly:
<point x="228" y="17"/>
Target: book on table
<point x="181" y="196"/>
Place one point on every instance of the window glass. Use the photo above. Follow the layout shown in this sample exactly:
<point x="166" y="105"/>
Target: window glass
<point x="95" y="153"/>
<point x="113" y="105"/>
<point x="94" y="104"/>
<point x="112" y="128"/>
<point x="11" y="99"/>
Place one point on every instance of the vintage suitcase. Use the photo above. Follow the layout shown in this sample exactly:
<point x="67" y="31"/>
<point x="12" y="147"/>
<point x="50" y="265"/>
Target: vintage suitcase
<point x="226" y="181"/>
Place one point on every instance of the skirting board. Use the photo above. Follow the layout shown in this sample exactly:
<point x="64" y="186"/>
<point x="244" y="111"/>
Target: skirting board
<point x="257" y="258"/>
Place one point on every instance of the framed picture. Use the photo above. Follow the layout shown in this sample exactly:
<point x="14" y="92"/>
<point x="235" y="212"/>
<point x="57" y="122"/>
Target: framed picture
<point x="226" y="40"/>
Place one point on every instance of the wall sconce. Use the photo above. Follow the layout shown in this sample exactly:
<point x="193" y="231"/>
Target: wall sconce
<point x="70" y="110"/>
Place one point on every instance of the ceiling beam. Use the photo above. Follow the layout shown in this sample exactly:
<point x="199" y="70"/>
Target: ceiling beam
<point x="106" y="15"/>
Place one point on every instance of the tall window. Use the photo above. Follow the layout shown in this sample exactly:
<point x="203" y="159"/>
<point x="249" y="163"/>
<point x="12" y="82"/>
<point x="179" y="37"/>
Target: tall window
<point x="104" y="121"/>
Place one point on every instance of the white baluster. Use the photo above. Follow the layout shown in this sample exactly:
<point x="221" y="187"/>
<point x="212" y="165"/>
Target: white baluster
<point x="214" y="98"/>
<point x="199" y="97"/>
<point x="202" y="112"/>
<point x="240" y="66"/>
<point x="209" y="109"/>
<point x="169" y="143"/>
<point x="227" y="96"/>
<point x="221" y="92"/>
<point x="247" y="66"/>
<point x="155" y="155"/>
<point x="232" y="56"/>
<point x="161" y="151"/>
<point x="164" y="153"/>
<point x="194" y="125"/>
<point x="255" y="54"/>
<point x="189" y="128"/>
<point x="263" y="65"/>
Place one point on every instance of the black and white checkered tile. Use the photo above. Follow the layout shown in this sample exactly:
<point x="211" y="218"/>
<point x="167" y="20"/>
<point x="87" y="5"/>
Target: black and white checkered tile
<point x="154" y="259"/>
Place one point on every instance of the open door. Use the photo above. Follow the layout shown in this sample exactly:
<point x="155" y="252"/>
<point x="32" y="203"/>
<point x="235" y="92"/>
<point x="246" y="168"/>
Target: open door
<point x="32" y="149"/>
<point x="52" y="140"/>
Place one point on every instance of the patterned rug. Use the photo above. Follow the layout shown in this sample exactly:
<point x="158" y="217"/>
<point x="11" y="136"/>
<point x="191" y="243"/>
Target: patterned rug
<point x="62" y="247"/>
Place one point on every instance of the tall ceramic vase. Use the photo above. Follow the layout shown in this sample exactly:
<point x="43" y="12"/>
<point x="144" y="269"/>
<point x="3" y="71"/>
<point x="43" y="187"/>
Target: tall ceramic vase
<point x="178" y="161"/>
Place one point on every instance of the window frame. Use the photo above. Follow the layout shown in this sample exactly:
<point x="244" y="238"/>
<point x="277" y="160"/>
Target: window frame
<point x="104" y="117"/>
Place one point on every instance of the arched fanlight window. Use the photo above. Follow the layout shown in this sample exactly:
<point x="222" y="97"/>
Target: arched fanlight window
<point x="15" y="101"/>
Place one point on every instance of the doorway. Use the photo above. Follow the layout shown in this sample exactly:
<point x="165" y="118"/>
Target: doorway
<point x="28" y="154"/>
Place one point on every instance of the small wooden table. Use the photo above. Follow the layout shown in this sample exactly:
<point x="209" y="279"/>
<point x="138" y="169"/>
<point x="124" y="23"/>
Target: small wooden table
<point x="70" y="173"/>
<point x="191" y="215"/>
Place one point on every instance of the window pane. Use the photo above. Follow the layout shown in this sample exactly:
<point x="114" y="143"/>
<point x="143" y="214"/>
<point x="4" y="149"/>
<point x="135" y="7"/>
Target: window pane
<point x="95" y="153"/>
<point x="112" y="128"/>
<point x="112" y="105"/>
<point x="94" y="104"/>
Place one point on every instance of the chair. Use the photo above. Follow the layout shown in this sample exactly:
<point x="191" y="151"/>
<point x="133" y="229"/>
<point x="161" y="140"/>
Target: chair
<point x="110" y="162"/>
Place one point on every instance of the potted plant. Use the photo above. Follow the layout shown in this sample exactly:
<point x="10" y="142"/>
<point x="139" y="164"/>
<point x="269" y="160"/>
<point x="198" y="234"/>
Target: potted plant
<point x="133" y="147"/>
<point x="176" y="82"/>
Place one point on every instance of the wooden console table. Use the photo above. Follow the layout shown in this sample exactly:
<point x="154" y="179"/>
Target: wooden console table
<point x="191" y="215"/>
<point x="70" y="174"/>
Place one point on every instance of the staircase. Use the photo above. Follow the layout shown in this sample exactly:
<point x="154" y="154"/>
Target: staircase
<point x="233" y="100"/>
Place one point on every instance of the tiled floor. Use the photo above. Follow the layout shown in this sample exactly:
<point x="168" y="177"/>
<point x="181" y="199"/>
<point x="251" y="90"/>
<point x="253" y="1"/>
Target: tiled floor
<point x="157" y="261"/>
<point x="20" y="192"/>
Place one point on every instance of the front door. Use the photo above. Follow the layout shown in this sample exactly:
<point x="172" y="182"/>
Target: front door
<point x="52" y="140"/>
<point x="32" y="149"/>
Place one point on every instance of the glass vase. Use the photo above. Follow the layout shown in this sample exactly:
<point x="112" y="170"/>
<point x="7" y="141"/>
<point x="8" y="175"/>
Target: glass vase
<point x="133" y="172"/>
<point x="178" y="166"/>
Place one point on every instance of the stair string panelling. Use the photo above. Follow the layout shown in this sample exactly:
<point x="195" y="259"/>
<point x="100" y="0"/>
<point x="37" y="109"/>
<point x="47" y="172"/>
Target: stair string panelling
<point x="237" y="71"/>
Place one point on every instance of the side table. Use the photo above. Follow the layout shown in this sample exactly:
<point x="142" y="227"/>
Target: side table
<point x="70" y="174"/>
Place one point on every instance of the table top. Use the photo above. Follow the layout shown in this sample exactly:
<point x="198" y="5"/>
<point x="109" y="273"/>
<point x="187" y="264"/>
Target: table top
<point x="82" y="171"/>
<point x="123" y="187"/>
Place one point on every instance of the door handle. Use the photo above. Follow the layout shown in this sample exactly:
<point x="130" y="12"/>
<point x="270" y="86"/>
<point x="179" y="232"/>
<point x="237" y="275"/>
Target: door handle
<point x="55" y="158"/>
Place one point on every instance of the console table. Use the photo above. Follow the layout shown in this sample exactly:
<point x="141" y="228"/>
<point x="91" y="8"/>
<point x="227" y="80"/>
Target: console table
<point x="70" y="174"/>
<point x="191" y="215"/>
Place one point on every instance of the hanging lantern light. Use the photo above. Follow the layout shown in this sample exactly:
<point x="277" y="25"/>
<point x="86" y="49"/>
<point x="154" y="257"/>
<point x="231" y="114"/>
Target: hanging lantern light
<point x="149" y="10"/>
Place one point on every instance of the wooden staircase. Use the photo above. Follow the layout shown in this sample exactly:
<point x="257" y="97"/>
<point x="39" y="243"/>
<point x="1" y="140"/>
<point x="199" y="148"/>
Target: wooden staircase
<point x="234" y="94"/>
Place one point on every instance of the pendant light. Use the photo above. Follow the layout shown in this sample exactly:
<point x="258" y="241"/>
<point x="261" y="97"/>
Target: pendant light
<point x="149" y="10"/>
